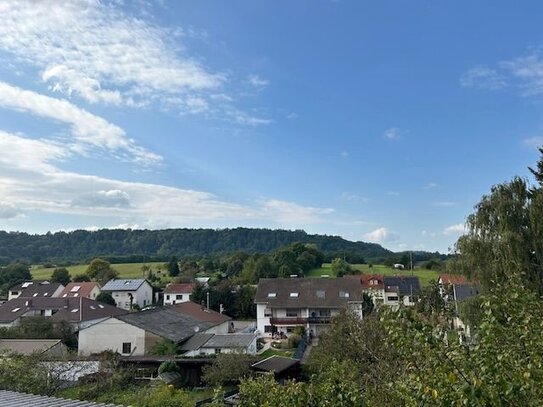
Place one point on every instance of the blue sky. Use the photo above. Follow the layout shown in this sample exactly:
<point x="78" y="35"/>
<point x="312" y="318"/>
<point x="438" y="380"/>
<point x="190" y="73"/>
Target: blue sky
<point x="378" y="121"/>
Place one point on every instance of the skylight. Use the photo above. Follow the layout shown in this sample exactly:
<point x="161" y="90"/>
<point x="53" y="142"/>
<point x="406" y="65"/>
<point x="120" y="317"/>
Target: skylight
<point x="65" y="295"/>
<point x="344" y="294"/>
<point x="100" y="306"/>
<point x="272" y="295"/>
<point x="92" y="307"/>
<point x="321" y="293"/>
<point x="26" y="284"/>
<point x="35" y="295"/>
<point x="75" y="289"/>
<point x="15" y="309"/>
<point x="294" y="295"/>
<point x="76" y="295"/>
<point x="75" y="310"/>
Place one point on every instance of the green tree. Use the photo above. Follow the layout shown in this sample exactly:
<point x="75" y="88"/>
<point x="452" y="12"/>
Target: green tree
<point x="100" y="270"/>
<point x="61" y="275"/>
<point x="537" y="172"/>
<point x="173" y="267"/>
<point x="13" y="274"/>
<point x="228" y="369"/>
<point x="340" y="267"/>
<point x="106" y="298"/>
<point x="164" y="347"/>
<point x="79" y="278"/>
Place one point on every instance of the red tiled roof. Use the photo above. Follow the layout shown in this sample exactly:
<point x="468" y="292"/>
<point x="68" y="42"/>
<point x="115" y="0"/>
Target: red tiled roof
<point x="200" y="313"/>
<point x="367" y="279"/>
<point x="179" y="288"/>
<point x="453" y="279"/>
<point x="84" y="290"/>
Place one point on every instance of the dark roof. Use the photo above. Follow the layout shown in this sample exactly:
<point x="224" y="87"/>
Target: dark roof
<point x="13" y="399"/>
<point x="179" y="288"/>
<point x="276" y="364"/>
<point x="407" y="285"/>
<point x="307" y="292"/>
<point x="463" y="291"/>
<point x="167" y="323"/>
<point x="200" y="313"/>
<point x="32" y="289"/>
<point x="124" y="284"/>
<point x="27" y="346"/>
<point x="229" y="341"/>
<point x="66" y="309"/>
<point x="82" y="289"/>
<point x="196" y="342"/>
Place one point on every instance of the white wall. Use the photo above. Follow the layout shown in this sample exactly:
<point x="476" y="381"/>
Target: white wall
<point x="143" y="297"/>
<point x="110" y="335"/>
<point x="170" y="299"/>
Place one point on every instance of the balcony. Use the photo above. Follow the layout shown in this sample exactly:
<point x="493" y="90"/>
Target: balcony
<point x="288" y="321"/>
<point x="319" y="320"/>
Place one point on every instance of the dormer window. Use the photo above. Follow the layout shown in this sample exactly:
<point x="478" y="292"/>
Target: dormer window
<point x="321" y="294"/>
<point x="272" y="295"/>
<point x="373" y="282"/>
<point x="293" y="295"/>
<point x="343" y="294"/>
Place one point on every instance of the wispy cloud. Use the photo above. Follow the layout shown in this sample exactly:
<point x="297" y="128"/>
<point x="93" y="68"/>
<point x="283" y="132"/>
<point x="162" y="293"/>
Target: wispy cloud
<point x="95" y="51"/>
<point x="381" y="235"/>
<point x="442" y="204"/>
<point x="393" y="193"/>
<point x="430" y="185"/>
<point x="457" y="229"/>
<point x="393" y="133"/>
<point x="87" y="130"/>
<point x="348" y="196"/>
<point x="257" y="81"/>
<point x="533" y="142"/>
<point x="483" y="78"/>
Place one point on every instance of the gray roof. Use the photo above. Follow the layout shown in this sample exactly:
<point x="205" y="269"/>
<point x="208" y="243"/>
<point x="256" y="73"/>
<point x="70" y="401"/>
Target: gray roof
<point x="13" y="399"/>
<point x="229" y="341"/>
<point x="307" y="292"/>
<point x="27" y="346"/>
<point x="167" y="323"/>
<point x="463" y="291"/>
<point x="275" y="364"/>
<point x="32" y="289"/>
<point x="196" y="342"/>
<point x="124" y="284"/>
<point x="407" y="285"/>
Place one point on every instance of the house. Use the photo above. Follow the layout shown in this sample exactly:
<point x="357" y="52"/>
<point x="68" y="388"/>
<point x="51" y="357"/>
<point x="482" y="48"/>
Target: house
<point x="32" y="289"/>
<point x="283" y="304"/>
<point x="374" y="286"/>
<point x="282" y="368"/>
<point x="203" y="344"/>
<point x="401" y="290"/>
<point x="45" y="347"/>
<point x="176" y="293"/>
<point x="446" y="283"/>
<point x="129" y="293"/>
<point x="79" y="312"/>
<point x="135" y="334"/>
<point x="87" y="289"/>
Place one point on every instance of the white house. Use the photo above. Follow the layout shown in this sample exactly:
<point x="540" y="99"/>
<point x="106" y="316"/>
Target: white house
<point x="203" y="344"/>
<point x="177" y="293"/>
<point x="128" y="293"/>
<point x="138" y="332"/>
<point x="283" y="304"/>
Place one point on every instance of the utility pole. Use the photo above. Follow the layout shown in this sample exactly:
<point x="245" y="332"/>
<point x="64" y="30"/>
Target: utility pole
<point x="411" y="257"/>
<point x="208" y="300"/>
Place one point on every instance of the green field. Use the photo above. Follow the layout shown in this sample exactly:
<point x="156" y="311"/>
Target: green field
<point x="126" y="270"/>
<point x="424" y="275"/>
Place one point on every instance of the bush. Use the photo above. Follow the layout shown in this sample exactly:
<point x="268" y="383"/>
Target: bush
<point x="168" y="366"/>
<point x="293" y="341"/>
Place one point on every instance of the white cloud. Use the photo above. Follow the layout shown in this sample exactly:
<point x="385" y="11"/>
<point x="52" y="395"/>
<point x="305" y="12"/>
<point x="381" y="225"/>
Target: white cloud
<point x="393" y="193"/>
<point x="87" y="130"/>
<point x="482" y="78"/>
<point x="533" y="142"/>
<point x="458" y="229"/>
<point x="30" y="181"/>
<point x="381" y="235"/>
<point x="347" y="196"/>
<point x="528" y="70"/>
<point x="257" y="82"/>
<point x="430" y="185"/>
<point x="425" y="233"/>
<point x="9" y="211"/>
<point x="393" y="133"/>
<point x="443" y="204"/>
<point x="93" y="50"/>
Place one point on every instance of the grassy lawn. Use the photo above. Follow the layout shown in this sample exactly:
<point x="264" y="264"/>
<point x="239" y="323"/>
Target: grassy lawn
<point x="424" y="275"/>
<point x="126" y="270"/>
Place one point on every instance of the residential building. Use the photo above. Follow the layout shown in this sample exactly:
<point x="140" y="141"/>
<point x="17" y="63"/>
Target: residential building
<point x="33" y="289"/>
<point x="446" y="283"/>
<point x="14" y="399"/>
<point x="177" y="293"/>
<point x="203" y="344"/>
<point x="79" y="312"/>
<point x="128" y="293"/>
<point x="221" y="323"/>
<point x="87" y="289"/>
<point x="282" y="304"/>
<point x="135" y="334"/>
<point x="374" y="286"/>
<point x="401" y="290"/>
<point x="44" y="347"/>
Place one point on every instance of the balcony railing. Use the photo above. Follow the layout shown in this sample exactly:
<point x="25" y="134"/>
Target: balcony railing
<point x="299" y="320"/>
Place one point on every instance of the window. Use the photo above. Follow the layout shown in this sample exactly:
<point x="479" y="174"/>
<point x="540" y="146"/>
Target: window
<point x="127" y="347"/>
<point x="324" y="313"/>
<point x="292" y="312"/>
<point x="217" y="351"/>
<point x="15" y="293"/>
<point x="35" y="295"/>
<point x="179" y="297"/>
<point x="373" y="282"/>
<point x="168" y="296"/>
<point x="343" y="294"/>
<point x="293" y="295"/>
<point x="75" y="310"/>
<point x="267" y="313"/>
<point x="15" y="309"/>
<point x="268" y="328"/>
<point x="75" y="289"/>
<point x="272" y="295"/>
<point x="392" y="298"/>
<point x="321" y="294"/>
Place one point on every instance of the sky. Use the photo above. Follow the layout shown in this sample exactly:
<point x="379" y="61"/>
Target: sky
<point x="382" y="121"/>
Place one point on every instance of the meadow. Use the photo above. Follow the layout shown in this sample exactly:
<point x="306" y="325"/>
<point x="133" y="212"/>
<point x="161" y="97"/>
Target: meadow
<point x="126" y="270"/>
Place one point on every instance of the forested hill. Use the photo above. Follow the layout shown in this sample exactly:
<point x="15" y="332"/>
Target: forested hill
<point x="82" y="245"/>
